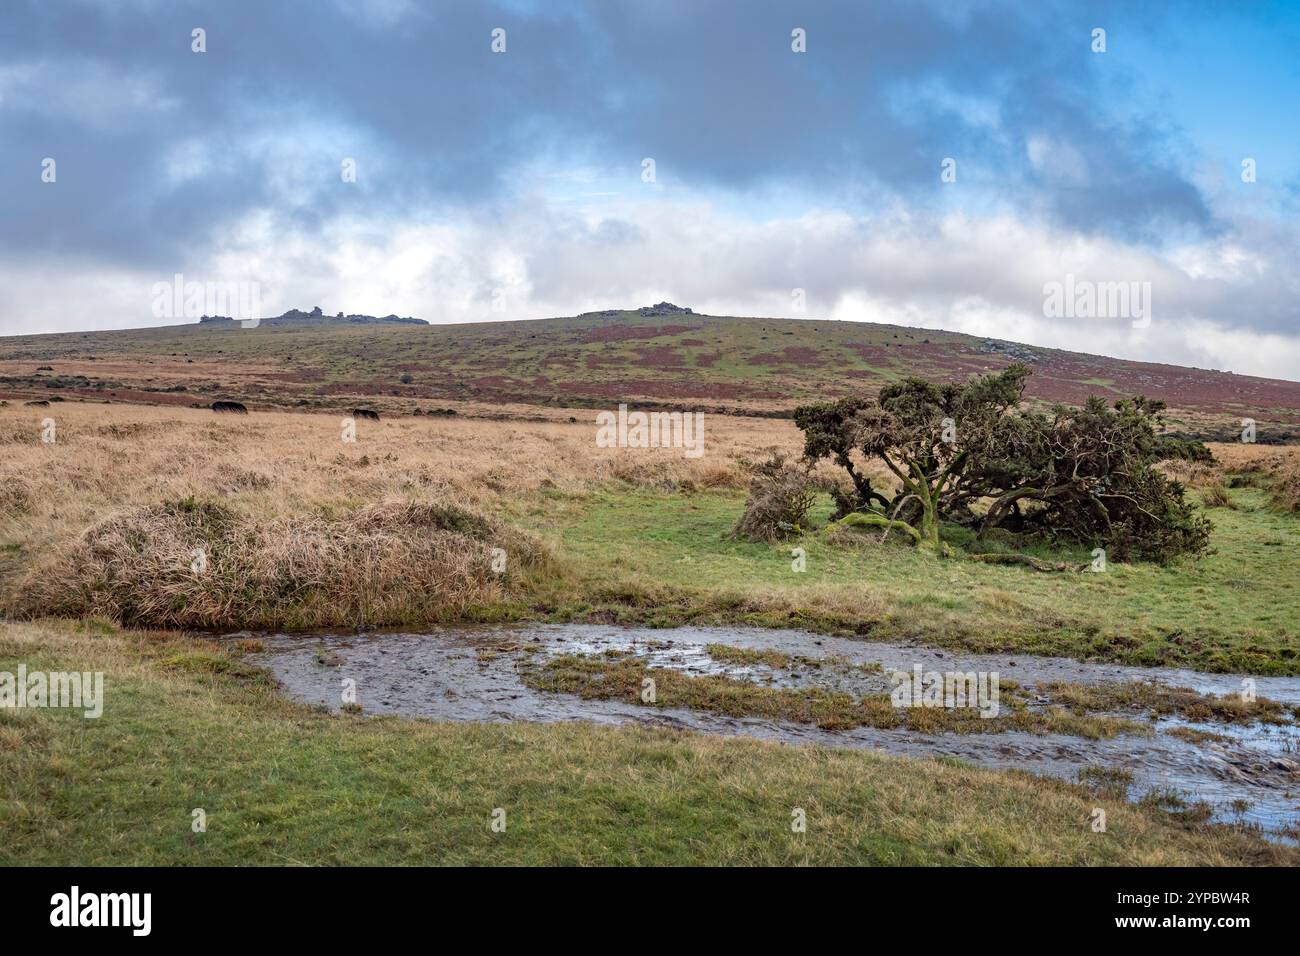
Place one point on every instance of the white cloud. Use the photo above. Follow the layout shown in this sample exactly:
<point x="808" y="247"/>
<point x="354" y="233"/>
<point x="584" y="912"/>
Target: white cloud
<point x="981" y="275"/>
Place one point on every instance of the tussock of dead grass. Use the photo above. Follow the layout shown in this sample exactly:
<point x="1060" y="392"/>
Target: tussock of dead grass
<point x="1108" y="781"/>
<point x="1216" y="496"/>
<point x="391" y="563"/>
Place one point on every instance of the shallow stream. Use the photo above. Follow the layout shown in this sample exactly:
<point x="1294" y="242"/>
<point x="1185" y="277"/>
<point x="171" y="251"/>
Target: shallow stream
<point x="473" y="674"/>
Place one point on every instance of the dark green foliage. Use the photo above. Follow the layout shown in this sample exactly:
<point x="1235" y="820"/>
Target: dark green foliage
<point x="1097" y="484"/>
<point x="966" y="454"/>
<point x="1184" y="449"/>
<point x="830" y="431"/>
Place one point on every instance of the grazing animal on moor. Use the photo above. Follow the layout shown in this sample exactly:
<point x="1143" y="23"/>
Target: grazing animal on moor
<point x="237" y="407"/>
<point x="364" y="413"/>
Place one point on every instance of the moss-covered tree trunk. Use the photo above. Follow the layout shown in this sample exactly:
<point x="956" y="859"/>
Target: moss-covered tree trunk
<point x="928" y="496"/>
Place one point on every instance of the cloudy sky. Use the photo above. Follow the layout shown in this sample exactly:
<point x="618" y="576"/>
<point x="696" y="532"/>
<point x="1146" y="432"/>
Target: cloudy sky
<point x="514" y="184"/>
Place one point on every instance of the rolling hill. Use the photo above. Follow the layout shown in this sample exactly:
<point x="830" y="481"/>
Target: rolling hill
<point x="656" y="356"/>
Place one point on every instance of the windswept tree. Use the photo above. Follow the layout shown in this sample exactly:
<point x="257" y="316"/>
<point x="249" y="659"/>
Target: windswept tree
<point x="967" y="454"/>
<point x="927" y="435"/>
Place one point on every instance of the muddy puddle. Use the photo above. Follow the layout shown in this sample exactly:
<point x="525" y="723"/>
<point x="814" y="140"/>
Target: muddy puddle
<point x="1250" y="773"/>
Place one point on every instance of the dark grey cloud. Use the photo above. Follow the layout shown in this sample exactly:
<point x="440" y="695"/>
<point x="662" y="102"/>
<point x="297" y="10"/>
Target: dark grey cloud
<point x="161" y="151"/>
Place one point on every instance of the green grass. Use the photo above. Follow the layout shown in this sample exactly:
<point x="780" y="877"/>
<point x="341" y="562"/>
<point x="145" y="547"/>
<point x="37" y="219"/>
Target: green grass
<point x="283" y="784"/>
<point x="665" y="558"/>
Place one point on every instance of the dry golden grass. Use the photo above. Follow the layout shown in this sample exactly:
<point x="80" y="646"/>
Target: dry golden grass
<point x="1275" y="468"/>
<point x="1234" y="457"/>
<point x="113" y="455"/>
<point x="299" y="527"/>
<point x="1231" y="455"/>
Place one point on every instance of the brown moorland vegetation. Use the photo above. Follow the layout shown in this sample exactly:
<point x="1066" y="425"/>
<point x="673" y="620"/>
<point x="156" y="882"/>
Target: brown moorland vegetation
<point x="738" y="364"/>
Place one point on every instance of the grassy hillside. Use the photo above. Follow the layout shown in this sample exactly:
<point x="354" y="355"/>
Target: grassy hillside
<point x="594" y="360"/>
